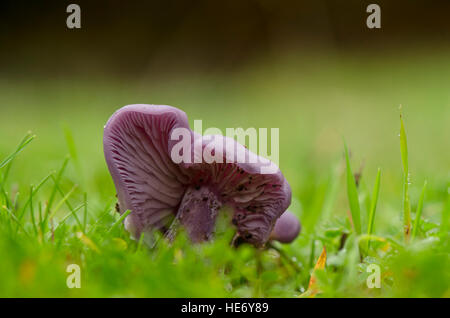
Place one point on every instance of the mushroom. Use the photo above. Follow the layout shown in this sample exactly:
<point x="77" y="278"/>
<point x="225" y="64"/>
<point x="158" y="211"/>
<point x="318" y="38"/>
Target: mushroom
<point x="139" y="144"/>
<point x="286" y="228"/>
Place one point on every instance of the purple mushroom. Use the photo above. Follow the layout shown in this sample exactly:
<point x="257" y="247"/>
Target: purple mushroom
<point x="142" y="150"/>
<point x="286" y="228"/>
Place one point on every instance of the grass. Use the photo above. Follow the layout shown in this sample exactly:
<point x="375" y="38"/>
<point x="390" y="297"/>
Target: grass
<point x="352" y="195"/>
<point x="373" y="205"/>
<point x="419" y="211"/>
<point x="58" y="209"/>
<point x="406" y="181"/>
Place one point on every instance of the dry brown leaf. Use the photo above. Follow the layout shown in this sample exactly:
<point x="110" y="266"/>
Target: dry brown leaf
<point x="320" y="265"/>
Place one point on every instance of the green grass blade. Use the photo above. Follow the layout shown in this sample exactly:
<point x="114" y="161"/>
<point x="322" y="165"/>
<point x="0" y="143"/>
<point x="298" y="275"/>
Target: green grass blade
<point x="72" y="212"/>
<point x="104" y="213"/>
<point x="8" y="161"/>
<point x="312" y="253"/>
<point x="40" y="215"/>
<point x="63" y="200"/>
<point x="445" y="216"/>
<point x="140" y="242"/>
<point x="55" y="188"/>
<point x="3" y="178"/>
<point x="5" y="196"/>
<point x="35" y="190"/>
<point x="33" y="221"/>
<point x="323" y="199"/>
<point x="70" y="141"/>
<point x="66" y="201"/>
<point x="122" y="217"/>
<point x="419" y="211"/>
<point x="404" y="147"/>
<point x="373" y="205"/>
<point x="28" y="138"/>
<point x="353" y="195"/>
<point x="14" y="218"/>
<point x="23" y="143"/>
<point x="406" y="181"/>
<point x="85" y="212"/>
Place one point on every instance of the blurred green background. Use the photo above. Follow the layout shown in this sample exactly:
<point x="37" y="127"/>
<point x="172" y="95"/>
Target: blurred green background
<point x="310" y="68"/>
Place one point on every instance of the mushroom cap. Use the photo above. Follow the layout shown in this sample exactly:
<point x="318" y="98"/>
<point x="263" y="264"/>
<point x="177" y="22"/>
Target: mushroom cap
<point x="136" y="142"/>
<point x="138" y="145"/>
<point x="286" y="228"/>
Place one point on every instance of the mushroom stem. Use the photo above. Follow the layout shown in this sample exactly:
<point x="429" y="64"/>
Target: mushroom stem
<point x="198" y="212"/>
